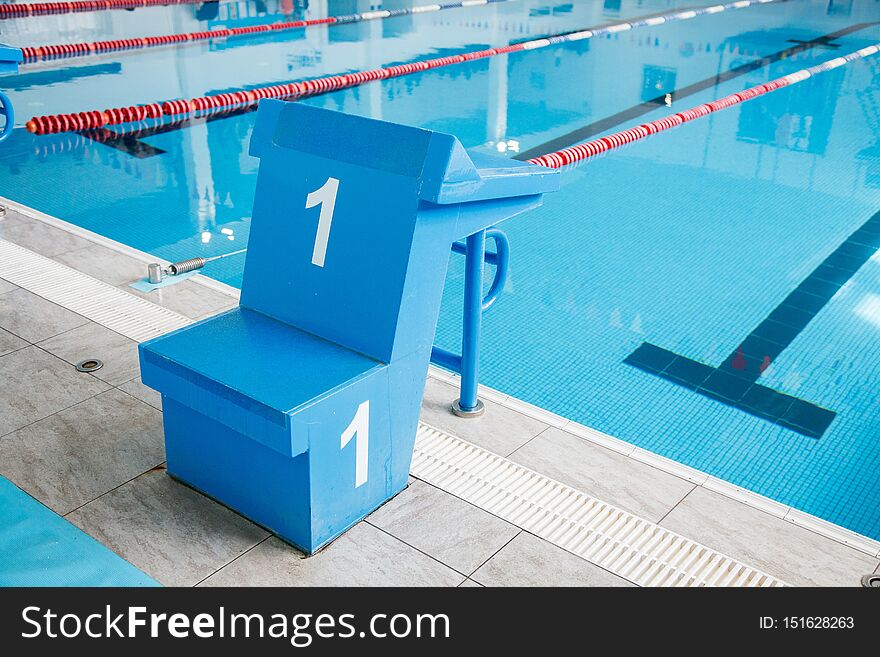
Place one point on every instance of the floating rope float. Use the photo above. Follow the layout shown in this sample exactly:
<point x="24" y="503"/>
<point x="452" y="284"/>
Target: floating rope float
<point x="178" y="108"/>
<point x="37" y="53"/>
<point x="594" y="147"/>
<point x="19" y="9"/>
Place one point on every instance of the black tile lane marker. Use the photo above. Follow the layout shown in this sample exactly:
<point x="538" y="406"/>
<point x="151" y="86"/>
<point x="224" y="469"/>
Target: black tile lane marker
<point x="735" y="381"/>
<point x="597" y="127"/>
<point x="33" y="79"/>
<point x="819" y="45"/>
<point x="131" y="144"/>
<point x="127" y="143"/>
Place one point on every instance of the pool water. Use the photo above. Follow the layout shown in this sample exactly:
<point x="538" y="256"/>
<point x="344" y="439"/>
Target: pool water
<point x="688" y="241"/>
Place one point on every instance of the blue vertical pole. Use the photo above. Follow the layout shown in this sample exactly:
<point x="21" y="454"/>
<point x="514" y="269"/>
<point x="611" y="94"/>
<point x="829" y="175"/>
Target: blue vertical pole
<point x="468" y="405"/>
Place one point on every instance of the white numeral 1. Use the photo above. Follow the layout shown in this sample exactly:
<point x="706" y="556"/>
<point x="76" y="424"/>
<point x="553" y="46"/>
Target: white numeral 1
<point x="325" y="196"/>
<point x="360" y="425"/>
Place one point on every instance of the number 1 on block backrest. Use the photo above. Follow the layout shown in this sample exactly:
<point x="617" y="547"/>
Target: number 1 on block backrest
<point x="325" y="196"/>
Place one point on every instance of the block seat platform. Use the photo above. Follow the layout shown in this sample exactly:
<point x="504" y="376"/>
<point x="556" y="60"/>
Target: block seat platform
<point x="254" y="371"/>
<point x="248" y="401"/>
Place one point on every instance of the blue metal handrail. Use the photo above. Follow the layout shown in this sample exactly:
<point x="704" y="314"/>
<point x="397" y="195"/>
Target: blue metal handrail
<point x="6" y="110"/>
<point x="10" y="58"/>
<point x="467" y="363"/>
<point x="502" y="266"/>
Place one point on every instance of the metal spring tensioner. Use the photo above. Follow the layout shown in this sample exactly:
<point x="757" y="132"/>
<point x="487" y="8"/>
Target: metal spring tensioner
<point x="156" y="272"/>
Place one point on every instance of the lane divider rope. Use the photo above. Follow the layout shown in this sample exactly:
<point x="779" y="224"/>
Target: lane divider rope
<point x="186" y="107"/>
<point x="67" y="50"/>
<point x="26" y="9"/>
<point x="596" y="147"/>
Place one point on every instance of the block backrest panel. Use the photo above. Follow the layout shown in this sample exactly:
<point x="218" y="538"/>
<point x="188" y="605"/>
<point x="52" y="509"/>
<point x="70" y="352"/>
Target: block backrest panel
<point x="335" y="214"/>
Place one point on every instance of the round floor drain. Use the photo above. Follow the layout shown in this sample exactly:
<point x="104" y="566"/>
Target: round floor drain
<point x="89" y="365"/>
<point x="871" y="581"/>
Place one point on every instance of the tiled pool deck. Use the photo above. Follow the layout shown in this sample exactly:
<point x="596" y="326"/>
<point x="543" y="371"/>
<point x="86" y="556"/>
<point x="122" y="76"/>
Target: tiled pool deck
<point x="90" y="447"/>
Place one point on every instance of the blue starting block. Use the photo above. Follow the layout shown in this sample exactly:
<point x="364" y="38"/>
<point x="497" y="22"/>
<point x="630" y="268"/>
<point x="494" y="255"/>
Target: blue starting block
<point x="10" y="58"/>
<point x="300" y="407"/>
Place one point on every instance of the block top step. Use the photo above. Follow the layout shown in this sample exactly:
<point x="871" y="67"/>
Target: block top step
<point x="259" y="361"/>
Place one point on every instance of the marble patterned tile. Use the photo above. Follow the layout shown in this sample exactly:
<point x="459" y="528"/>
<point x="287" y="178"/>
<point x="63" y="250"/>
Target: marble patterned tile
<point x="500" y="430"/>
<point x="118" y="353"/>
<point x="469" y="584"/>
<point x="37" y="384"/>
<point x="10" y="342"/>
<point x="80" y="453"/>
<point x="138" y="390"/>
<point x="40" y="237"/>
<point x="32" y="318"/>
<point x="171" y="532"/>
<point x="449" y="529"/>
<point x="606" y="475"/>
<point x="530" y="561"/>
<point x="188" y="298"/>
<point x="105" y="264"/>
<point x="6" y="286"/>
<point x="363" y="556"/>
<point x="794" y="554"/>
<point x="11" y="218"/>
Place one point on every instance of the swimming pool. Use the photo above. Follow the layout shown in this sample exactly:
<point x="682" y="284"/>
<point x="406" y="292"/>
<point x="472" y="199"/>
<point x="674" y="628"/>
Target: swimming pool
<point x="688" y="241"/>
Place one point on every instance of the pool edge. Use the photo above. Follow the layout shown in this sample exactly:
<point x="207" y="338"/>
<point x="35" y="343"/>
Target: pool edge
<point x="814" y="524"/>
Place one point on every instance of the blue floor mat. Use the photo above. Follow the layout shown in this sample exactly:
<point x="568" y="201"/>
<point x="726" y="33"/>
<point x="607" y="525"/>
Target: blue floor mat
<point x="40" y="548"/>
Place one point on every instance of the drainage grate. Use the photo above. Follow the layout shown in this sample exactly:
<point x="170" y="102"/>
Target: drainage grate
<point x="624" y="544"/>
<point x="131" y="316"/>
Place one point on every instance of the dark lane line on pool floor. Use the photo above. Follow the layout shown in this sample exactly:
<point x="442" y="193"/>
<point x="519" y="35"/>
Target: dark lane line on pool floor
<point x="636" y="111"/>
<point x="131" y="144"/>
<point x="734" y="382"/>
<point x="35" y="79"/>
<point x="825" y="44"/>
<point x="127" y="143"/>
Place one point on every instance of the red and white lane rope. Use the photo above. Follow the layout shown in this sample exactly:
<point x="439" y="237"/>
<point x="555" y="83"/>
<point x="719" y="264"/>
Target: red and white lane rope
<point x="293" y="90"/>
<point x="596" y="147"/>
<point x="37" y="53"/>
<point x="20" y="9"/>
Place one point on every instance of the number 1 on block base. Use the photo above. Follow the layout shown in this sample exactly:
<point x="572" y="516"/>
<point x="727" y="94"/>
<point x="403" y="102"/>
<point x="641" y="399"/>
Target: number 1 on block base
<point x="359" y="426"/>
